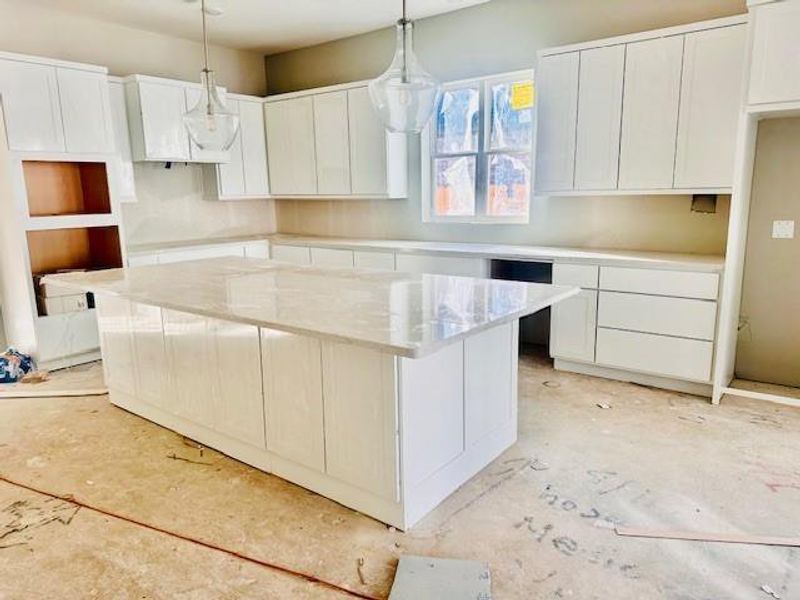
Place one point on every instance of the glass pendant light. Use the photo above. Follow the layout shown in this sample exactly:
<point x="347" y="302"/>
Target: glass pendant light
<point x="406" y="94"/>
<point x="211" y="125"/>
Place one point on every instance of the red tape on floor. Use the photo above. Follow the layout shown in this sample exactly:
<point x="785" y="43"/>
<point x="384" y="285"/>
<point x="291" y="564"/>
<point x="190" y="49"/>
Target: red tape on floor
<point x="270" y="565"/>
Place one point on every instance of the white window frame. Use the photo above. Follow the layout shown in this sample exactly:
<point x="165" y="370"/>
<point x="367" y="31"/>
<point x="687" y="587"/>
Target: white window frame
<point x="428" y="155"/>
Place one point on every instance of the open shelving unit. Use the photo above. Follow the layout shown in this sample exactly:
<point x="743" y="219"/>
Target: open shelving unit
<point x="62" y="216"/>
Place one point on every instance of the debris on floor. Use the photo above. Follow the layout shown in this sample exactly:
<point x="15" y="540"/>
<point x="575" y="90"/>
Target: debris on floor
<point x="427" y="578"/>
<point x="699" y="536"/>
<point x="174" y="456"/>
<point x="603" y="405"/>
<point x="14" y="365"/>
<point x="22" y="515"/>
<point x="35" y="377"/>
<point x="81" y="380"/>
<point x="770" y="592"/>
<point x="360" y="570"/>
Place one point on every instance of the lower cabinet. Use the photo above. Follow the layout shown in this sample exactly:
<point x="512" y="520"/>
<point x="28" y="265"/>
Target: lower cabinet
<point x="292" y="373"/>
<point x="298" y="255"/>
<point x="331" y="257"/>
<point x="382" y="261"/>
<point x="655" y="322"/>
<point x="443" y="265"/>
<point x="681" y="358"/>
<point x="232" y="406"/>
<point x="573" y="327"/>
<point x="254" y="249"/>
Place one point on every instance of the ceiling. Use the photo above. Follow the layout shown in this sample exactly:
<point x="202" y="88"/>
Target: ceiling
<point x="268" y="26"/>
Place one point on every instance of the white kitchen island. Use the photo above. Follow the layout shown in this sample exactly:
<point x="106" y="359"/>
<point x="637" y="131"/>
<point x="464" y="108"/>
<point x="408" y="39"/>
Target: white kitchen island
<point x="383" y="391"/>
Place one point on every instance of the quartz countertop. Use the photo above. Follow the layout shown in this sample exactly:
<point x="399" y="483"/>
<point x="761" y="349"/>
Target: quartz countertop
<point x="408" y="315"/>
<point x="621" y="258"/>
<point x="149" y="248"/>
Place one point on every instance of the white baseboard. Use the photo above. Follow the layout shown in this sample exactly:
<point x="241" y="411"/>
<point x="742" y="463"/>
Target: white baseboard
<point x="676" y="385"/>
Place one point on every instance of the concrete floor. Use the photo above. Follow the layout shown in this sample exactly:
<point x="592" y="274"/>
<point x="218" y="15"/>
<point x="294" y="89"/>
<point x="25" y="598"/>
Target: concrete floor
<point x="538" y="514"/>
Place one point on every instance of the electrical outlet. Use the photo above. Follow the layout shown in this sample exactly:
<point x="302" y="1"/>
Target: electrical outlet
<point x="783" y="230"/>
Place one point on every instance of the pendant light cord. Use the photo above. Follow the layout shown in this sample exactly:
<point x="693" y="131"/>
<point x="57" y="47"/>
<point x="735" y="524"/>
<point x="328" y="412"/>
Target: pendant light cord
<point x="206" y="70"/>
<point x="404" y="73"/>
<point x="205" y="34"/>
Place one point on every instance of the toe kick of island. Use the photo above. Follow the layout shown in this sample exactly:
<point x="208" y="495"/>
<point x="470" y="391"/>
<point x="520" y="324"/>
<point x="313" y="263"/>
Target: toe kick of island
<point x="389" y="436"/>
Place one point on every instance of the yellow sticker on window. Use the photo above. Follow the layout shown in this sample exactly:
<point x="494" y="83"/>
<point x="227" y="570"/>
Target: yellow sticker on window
<point x="523" y="95"/>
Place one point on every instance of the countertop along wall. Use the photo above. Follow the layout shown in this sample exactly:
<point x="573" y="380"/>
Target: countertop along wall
<point x="504" y="35"/>
<point x="171" y="205"/>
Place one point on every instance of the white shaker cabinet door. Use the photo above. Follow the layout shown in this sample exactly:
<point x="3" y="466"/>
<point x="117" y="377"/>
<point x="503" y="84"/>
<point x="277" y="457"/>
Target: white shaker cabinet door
<point x="368" y="148"/>
<point x="599" y="118"/>
<point x="557" y="119"/>
<point x="293" y="403"/>
<point x="231" y="174"/>
<point x="85" y="109"/>
<point x="238" y="400"/>
<point x="332" y="143"/>
<point x="776" y="53"/>
<point x="650" y="113"/>
<point x="164" y="135"/>
<point x="254" y="148"/>
<point x="573" y="326"/>
<point x="711" y="101"/>
<point x="31" y="108"/>
<point x="125" y="185"/>
<point x="290" y="146"/>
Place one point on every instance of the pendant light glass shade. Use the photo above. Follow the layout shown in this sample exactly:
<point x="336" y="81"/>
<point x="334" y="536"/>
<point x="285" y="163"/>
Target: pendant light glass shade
<point x="211" y="124"/>
<point x="406" y="94"/>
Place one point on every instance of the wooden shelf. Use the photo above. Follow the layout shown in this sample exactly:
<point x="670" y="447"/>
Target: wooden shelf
<point x="66" y="188"/>
<point x="70" y="222"/>
<point x="53" y="250"/>
<point x="89" y="248"/>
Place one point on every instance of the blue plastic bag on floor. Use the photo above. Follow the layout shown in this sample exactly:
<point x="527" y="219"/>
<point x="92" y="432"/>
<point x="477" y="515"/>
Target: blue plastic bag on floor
<point x="13" y="365"/>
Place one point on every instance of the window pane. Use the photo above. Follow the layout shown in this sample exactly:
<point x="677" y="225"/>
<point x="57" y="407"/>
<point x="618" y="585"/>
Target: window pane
<point x="509" y="185"/>
<point x="455" y="186"/>
<point x="457" y="121"/>
<point x="512" y="115"/>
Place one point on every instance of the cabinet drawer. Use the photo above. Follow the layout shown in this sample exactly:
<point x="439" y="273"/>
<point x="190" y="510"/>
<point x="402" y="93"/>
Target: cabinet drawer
<point x="330" y="257"/>
<point x="443" y="265"/>
<point x="374" y="260"/>
<point x="656" y="354"/>
<point x="658" y="314"/>
<point x="584" y="276"/>
<point x="683" y="284"/>
<point x="299" y="255"/>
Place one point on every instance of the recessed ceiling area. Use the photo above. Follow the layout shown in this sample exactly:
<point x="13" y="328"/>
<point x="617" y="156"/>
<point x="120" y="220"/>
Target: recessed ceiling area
<point x="267" y="26"/>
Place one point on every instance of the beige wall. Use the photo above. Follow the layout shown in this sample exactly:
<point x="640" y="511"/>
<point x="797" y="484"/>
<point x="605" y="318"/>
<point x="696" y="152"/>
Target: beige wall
<point x="505" y="35"/>
<point x="171" y="205"/>
<point x="31" y="29"/>
<point x="769" y="343"/>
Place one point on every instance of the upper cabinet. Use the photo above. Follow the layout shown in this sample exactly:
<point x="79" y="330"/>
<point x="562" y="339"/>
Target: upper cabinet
<point x="124" y="183"/>
<point x="86" y="111"/>
<point x="55" y="107"/>
<point x="291" y="146"/>
<point x="155" y="120"/>
<point x="654" y="112"/>
<point x="245" y="176"/>
<point x="557" y="76"/>
<point x="650" y="113"/>
<point x="774" y="76"/>
<point x="329" y="143"/>
<point x="599" y="112"/>
<point x="713" y="70"/>
<point x="332" y="143"/>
